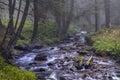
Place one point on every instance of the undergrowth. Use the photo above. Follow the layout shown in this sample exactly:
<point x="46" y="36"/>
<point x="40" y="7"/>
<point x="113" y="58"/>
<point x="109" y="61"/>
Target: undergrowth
<point x="46" y="32"/>
<point x="106" y="42"/>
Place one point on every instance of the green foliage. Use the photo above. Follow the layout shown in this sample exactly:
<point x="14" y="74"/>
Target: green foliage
<point x="47" y="33"/>
<point x="107" y="42"/>
<point x="13" y="73"/>
<point x="1" y="61"/>
<point x="8" y="72"/>
<point x="90" y="39"/>
<point x="5" y="22"/>
<point x="72" y="29"/>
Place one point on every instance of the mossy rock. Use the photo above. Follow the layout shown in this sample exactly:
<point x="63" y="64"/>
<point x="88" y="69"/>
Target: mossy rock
<point x="13" y="73"/>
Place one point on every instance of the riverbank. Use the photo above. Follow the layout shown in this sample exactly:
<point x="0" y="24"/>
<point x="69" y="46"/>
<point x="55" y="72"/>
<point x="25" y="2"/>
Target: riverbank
<point x="67" y="61"/>
<point x="106" y="42"/>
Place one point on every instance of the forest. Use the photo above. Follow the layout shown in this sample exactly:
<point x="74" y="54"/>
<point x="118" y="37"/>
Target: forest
<point x="59" y="39"/>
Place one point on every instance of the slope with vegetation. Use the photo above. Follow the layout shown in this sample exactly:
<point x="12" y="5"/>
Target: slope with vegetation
<point x="8" y="72"/>
<point x="106" y="42"/>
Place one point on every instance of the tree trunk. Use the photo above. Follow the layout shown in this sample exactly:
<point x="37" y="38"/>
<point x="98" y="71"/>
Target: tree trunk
<point x="18" y="14"/>
<point x="10" y="28"/>
<point x="35" y="30"/>
<point x="69" y="17"/>
<point x="107" y="13"/>
<point x="11" y="13"/>
<point x="96" y="16"/>
<point x="63" y="20"/>
<point x="1" y="22"/>
<point x="14" y="39"/>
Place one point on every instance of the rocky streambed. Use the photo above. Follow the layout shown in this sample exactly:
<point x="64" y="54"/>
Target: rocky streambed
<point x="63" y="62"/>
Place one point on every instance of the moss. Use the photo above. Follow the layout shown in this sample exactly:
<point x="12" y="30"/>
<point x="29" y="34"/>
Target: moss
<point x="2" y="61"/>
<point x="13" y="73"/>
<point x="8" y="72"/>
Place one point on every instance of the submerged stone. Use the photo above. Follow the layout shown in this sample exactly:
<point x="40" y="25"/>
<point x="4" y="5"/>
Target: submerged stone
<point x="41" y="57"/>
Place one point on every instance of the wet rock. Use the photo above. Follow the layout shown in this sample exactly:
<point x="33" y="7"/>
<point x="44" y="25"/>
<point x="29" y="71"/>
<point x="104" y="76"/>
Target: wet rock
<point x="84" y="75"/>
<point x="78" y="44"/>
<point x="43" y="75"/>
<point x="53" y="76"/>
<point x="41" y="57"/>
<point x="65" y="48"/>
<point x="23" y="47"/>
<point x="38" y="46"/>
<point x="110" y="78"/>
<point x="99" y="76"/>
<point x="84" y="52"/>
<point x="62" y="78"/>
<point x="50" y="64"/>
<point x="51" y="48"/>
<point x="32" y="64"/>
<point x="40" y="70"/>
<point x="73" y="68"/>
<point x="118" y="73"/>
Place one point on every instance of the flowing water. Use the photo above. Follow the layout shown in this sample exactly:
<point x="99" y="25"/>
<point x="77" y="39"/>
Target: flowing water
<point x="58" y="63"/>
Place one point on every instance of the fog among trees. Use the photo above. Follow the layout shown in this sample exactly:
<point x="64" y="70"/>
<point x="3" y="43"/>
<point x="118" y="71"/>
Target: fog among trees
<point x="67" y="35"/>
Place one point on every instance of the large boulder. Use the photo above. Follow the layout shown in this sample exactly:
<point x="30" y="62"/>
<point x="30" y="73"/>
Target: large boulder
<point x="41" y="57"/>
<point x="23" y="47"/>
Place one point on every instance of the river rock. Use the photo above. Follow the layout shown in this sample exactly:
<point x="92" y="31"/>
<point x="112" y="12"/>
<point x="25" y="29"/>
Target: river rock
<point x="62" y="78"/>
<point x="78" y="44"/>
<point x="41" y="57"/>
<point x="39" y="70"/>
<point x="73" y="68"/>
<point x="38" y="46"/>
<point x="83" y="52"/>
<point x="50" y="64"/>
<point x="23" y="47"/>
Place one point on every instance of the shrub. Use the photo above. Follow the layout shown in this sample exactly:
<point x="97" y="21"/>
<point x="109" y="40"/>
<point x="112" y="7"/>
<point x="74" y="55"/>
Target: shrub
<point x="107" y="42"/>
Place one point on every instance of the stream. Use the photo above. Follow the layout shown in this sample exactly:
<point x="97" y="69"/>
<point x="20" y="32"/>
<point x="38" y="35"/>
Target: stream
<point x="58" y="62"/>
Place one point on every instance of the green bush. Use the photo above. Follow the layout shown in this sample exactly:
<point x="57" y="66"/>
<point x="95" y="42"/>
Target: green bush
<point x="107" y="42"/>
